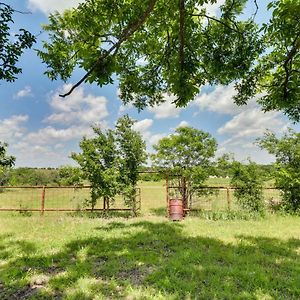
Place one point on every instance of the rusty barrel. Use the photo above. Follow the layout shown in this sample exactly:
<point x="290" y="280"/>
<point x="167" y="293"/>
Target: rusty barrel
<point x="175" y="209"/>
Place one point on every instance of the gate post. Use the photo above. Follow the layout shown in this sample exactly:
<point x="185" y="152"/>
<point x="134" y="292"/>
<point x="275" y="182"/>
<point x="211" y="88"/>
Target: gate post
<point x="167" y="196"/>
<point x="43" y="200"/>
<point x="184" y="195"/>
<point x="228" y="199"/>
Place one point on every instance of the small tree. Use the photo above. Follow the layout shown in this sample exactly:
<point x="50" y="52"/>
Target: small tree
<point x="248" y="183"/>
<point x="6" y="163"/>
<point x="287" y="168"/>
<point x="224" y="165"/>
<point x="110" y="161"/>
<point x="186" y="153"/>
<point x="131" y="152"/>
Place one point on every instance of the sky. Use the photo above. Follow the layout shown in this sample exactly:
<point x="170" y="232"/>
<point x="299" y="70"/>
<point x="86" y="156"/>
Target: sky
<point x="42" y="129"/>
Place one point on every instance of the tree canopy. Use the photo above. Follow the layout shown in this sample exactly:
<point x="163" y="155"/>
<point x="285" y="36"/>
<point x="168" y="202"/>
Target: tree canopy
<point x="187" y="155"/>
<point x="156" y="47"/>
<point x="187" y="148"/>
<point x="276" y="75"/>
<point x="12" y="45"/>
<point x="110" y="161"/>
<point x="6" y="163"/>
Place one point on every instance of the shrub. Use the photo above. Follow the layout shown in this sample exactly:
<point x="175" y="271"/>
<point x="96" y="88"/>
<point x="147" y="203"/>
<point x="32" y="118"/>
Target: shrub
<point x="248" y="183"/>
<point x="287" y="168"/>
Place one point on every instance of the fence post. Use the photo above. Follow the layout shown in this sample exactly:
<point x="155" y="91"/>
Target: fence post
<point x="43" y="201"/>
<point x="167" y="195"/>
<point x="104" y="204"/>
<point x="228" y="199"/>
<point x="140" y="199"/>
<point x="184" y="196"/>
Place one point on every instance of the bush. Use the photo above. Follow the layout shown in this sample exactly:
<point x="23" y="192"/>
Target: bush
<point x="287" y="168"/>
<point x="248" y="183"/>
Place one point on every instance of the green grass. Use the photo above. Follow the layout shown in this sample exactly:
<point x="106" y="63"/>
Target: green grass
<point x="55" y="257"/>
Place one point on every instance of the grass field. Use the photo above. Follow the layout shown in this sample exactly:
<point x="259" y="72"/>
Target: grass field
<point x="60" y="257"/>
<point x="85" y="256"/>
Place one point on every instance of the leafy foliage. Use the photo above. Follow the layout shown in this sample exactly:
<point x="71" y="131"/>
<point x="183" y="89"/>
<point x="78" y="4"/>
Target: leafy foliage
<point x="34" y="176"/>
<point x="154" y="47"/>
<point x="287" y="168"/>
<point x="187" y="153"/>
<point x="110" y="161"/>
<point x="131" y="152"/>
<point x="69" y="175"/>
<point x="11" y="45"/>
<point x="6" y="162"/>
<point x="223" y="166"/>
<point x="276" y="75"/>
<point x="248" y="183"/>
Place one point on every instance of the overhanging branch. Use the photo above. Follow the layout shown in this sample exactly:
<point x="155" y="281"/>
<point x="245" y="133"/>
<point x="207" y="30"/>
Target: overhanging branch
<point x="218" y="21"/>
<point x="288" y="61"/>
<point x="181" y="33"/>
<point x="126" y="34"/>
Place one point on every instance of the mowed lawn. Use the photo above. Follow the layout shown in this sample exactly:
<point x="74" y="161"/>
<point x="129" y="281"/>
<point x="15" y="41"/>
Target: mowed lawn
<point x="63" y="257"/>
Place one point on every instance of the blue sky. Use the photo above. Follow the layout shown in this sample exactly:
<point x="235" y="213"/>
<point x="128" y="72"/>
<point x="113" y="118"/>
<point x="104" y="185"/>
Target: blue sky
<point x="42" y="128"/>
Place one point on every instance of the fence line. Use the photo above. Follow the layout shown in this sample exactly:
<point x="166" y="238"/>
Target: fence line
<point x="214" y="202"/>
<point x="74" y="198"/>
<point x="56" y="198"/>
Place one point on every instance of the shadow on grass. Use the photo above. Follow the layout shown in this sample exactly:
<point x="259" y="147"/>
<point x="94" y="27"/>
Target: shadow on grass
<point x="148" y="260"/>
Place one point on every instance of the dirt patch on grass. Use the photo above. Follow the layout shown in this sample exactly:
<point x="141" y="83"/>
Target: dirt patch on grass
<point x="135" y="275"/>
<point x="8" y="293"/>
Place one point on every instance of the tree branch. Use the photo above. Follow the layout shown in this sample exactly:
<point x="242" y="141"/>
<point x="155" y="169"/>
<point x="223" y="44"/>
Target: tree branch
<point x="289" y="58"/>
<point x="126" y="34"/>
<point x="217" y="20"/>
<point x="256" y="9"/>
<point x="181" y="33"/>
<point x="15" y="10"/>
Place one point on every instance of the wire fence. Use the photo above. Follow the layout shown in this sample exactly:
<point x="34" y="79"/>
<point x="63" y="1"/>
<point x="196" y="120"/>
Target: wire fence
<point x="150" y="199"/>
<point x="52" y="198"/>
<point x="222" y="198"/>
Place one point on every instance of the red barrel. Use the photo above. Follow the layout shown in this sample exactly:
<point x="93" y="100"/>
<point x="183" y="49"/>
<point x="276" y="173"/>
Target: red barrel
<point x="175" y="209"/>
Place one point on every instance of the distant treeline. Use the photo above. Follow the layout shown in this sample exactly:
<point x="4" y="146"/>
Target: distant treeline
<point x="41" y="176"/>
<point x="68" y="175"/>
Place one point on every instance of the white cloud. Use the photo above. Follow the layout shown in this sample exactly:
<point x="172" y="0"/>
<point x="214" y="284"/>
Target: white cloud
<point x="29" y="154"/>
<point x="219" y="101"/>
<point x="247" y="123"/>
<point x="48" y="146"/>
<point x="252" y="122"/>
<point x="143" y="125"/>
<point x="50" y="135"/>
<point x="25" y="92"/>
<point x="166" y="109"/>
<point x="183" y="124"/>
<point x="156" y="137"/>
<point x="12" y="128"/>
<point x="49" y="6"/>
<point x="124" y="108"/>
<point x="244" y="128"/>
<point x="77" y="108"/>
<point x="71" y="119"/>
